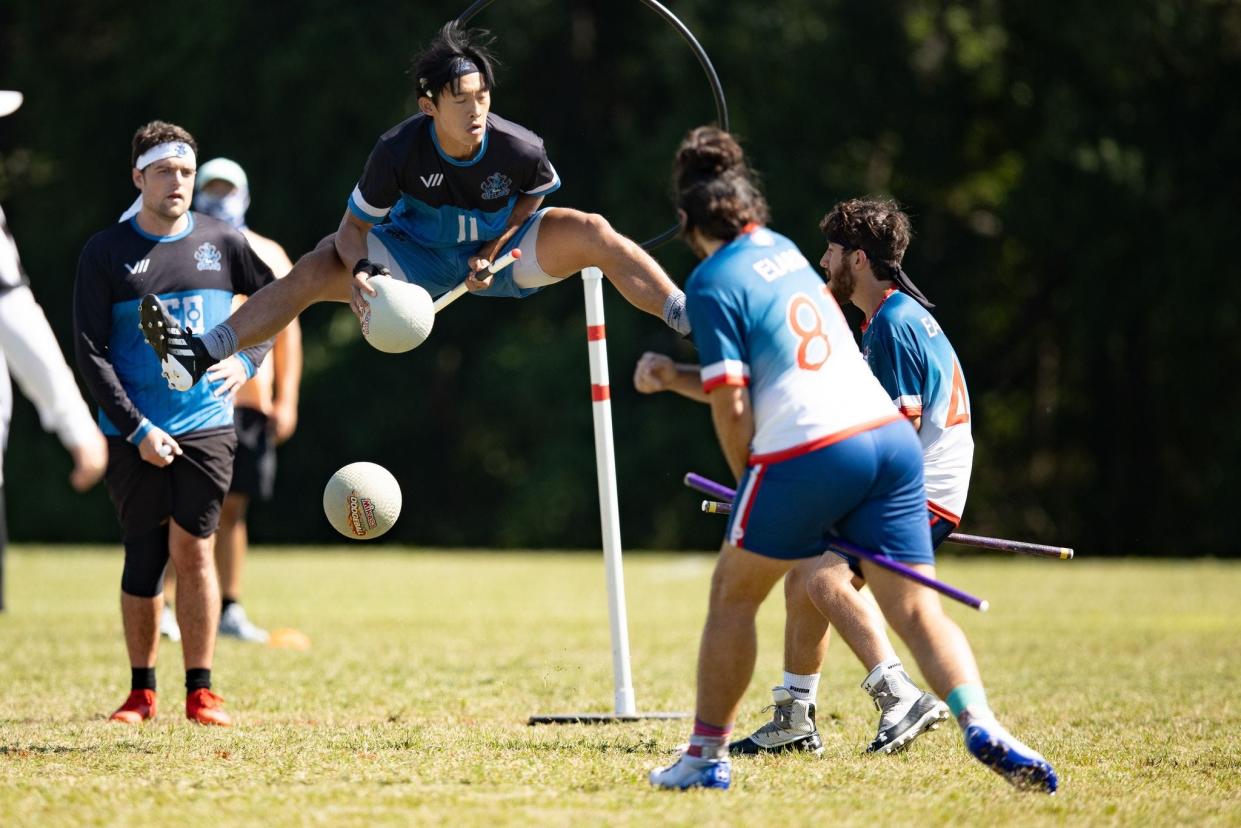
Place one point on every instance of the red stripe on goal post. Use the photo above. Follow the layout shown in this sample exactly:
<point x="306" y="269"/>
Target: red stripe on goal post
<point x="599" y="393"/>
<point x="595" y="332"/>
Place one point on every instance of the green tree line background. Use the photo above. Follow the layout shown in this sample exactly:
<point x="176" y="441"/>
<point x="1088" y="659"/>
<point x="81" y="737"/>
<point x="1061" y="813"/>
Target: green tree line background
<point x="1066" y="166"/>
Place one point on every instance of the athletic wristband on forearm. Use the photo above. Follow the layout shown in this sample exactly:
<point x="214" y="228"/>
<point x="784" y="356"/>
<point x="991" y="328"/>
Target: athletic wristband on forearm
<point x="370" y="268"/>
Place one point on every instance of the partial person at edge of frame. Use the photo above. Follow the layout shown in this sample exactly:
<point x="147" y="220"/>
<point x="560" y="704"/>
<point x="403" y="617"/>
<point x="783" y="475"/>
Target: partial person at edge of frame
<point x="29" y="351"/>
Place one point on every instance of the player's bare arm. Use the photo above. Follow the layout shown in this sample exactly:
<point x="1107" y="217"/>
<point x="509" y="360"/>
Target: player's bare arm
<point x="733" y="416"/>
<point x="350" y="244"/>
<point x="658" y="372"/>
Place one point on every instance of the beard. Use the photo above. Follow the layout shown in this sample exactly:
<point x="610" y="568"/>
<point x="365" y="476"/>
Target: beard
<point x="842" y="282"/>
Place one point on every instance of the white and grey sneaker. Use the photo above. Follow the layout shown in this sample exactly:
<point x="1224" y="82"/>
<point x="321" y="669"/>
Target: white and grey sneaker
<point x="905" y="711"/>
<point x="235" y="624"/>
<point x="791" y="727"/>
<point x="168" y="626"/>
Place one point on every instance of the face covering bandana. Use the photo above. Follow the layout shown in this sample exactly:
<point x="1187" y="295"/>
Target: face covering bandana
<point x="230" y="208"/>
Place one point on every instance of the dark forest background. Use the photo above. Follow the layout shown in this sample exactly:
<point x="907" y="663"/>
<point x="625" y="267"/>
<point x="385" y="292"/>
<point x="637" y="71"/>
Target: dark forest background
<point x="1071" y="169"/>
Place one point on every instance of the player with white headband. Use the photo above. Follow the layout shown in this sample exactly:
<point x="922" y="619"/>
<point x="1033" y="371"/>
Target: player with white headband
<point x="170" y="455"/>
<point x="443" y="194"/>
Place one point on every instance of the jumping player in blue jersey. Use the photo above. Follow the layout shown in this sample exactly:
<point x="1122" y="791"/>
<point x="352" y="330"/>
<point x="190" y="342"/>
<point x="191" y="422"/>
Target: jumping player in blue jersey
<point x="443" y="194"/>
<point x="818" y="450"/>
<point x="170" y="455"/>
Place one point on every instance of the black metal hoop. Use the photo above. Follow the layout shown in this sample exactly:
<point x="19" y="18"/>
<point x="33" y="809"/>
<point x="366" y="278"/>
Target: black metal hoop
<point x="717" y="90"/>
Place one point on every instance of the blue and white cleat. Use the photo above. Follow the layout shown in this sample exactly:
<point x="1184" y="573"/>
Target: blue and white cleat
<point x="1020" y="764"/>
<point x="693" y="772"/>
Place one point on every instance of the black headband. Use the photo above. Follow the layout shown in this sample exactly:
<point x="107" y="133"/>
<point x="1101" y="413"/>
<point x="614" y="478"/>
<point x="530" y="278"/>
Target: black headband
<point x="461" y="66"/>
<point x="895" y="272"/>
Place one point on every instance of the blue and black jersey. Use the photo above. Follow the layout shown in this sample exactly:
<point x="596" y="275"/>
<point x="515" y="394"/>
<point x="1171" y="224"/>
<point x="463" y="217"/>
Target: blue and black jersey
<point x="440" y="201"/>
<point x="195" y="273"/>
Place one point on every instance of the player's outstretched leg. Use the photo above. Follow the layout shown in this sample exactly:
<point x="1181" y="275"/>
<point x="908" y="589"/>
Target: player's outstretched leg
<point x="570" y="240"/>
<point x="182" y="357"/>
<point x="318" y="276"/>
<point x="945" y="658"/>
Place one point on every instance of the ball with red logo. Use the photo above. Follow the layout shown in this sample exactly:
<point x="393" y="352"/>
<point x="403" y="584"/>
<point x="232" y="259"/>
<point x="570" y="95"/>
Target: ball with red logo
<point x="362" y="501"/>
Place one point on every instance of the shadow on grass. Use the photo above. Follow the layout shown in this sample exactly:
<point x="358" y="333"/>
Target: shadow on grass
<point x="25" y="751"/>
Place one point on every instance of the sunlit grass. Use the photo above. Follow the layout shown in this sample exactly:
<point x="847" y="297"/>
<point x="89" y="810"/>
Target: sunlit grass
<point x="410" y="707"/>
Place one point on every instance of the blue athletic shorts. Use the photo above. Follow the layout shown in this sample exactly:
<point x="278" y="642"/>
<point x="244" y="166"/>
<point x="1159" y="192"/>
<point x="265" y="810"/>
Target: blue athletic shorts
<point x="867" y="489"/>
<point x="439" y="269"/>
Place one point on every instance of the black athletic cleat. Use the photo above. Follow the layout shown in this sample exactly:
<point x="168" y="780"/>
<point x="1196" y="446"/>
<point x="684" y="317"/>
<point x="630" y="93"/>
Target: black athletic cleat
<point x="792" y="727"/>
<point x="182" y="357"/>
<point x="905" y="711"/>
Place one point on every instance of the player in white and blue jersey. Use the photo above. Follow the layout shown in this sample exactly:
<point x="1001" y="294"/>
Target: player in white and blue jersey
<point x="905" y="347"/>
<point x="443" y="194"/>
<point x="911" y="357"/>
<point x="819" y="451"/>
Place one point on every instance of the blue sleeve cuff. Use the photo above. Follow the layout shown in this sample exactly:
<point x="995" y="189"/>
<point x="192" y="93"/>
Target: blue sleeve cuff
<point x="143" y="429"/>
<point x="251" y="370"/>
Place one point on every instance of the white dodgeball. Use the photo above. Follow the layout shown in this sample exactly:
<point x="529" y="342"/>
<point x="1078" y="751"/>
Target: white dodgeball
<point x="362" y="501"/>
<point x="399" y="318"/>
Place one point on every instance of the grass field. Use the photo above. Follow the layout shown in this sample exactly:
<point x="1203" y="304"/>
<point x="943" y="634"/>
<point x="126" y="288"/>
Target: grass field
<point x="410" y="707"/>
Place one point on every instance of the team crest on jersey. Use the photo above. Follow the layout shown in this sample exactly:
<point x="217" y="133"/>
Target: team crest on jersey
<point x="497" y="185"/>
<point x="207" y="256"/>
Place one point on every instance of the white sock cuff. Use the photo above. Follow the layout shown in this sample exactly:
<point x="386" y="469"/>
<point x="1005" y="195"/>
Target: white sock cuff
<point x="802" y="688"/>
<point x="872" y="678"/>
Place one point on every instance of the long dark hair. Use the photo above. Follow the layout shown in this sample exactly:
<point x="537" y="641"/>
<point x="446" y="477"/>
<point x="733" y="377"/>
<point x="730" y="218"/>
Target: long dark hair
<point x="714" y="186"/>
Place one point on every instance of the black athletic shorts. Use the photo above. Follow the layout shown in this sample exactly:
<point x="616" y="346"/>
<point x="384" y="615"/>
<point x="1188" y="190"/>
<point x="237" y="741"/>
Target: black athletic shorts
<point x="254" y="469"/>
<point x="190" y="490"/>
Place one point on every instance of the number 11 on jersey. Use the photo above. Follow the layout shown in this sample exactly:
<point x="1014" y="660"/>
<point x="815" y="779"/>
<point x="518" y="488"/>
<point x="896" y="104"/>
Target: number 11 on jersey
<point x="461" y="228"/>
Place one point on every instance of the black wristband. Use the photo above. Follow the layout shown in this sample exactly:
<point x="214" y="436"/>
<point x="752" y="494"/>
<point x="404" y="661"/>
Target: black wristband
<point x="368" y="267"/>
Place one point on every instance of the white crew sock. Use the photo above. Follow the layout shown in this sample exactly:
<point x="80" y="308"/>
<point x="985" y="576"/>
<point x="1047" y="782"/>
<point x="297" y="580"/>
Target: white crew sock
<point x="802" y="688"/>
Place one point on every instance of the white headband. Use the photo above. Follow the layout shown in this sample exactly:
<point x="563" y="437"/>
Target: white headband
<point x="171" y="149"/>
